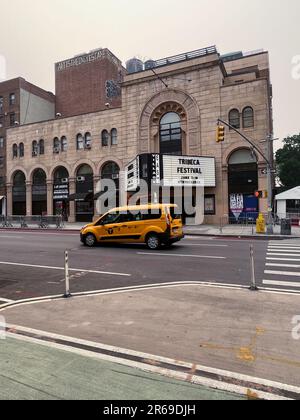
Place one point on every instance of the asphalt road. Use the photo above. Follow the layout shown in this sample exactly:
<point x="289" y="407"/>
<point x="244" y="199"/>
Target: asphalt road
<point x="31" y="264"/>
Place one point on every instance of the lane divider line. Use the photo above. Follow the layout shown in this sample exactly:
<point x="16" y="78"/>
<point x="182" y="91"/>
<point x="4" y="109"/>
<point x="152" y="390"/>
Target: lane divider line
<point x="157" y="254"/>
<point x="46" y="267"/>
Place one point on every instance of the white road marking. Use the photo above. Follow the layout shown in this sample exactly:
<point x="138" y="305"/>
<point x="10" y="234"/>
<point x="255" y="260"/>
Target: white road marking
<point x="275" y="254"/>
<point x="282" y="259"/>
<point x="282" y="273"/>
<point x="283" y="265"/>
<point x="285" y="246"/>
<point x="206" y="245"/>
<point x="180" y="255"/>
<point x="281" y="283"/>
<point x="6" y="300"/>
<point x="46" y="267"/>
<point x="150" y="368"/>
<point x="11" y="237"/>
<point x="284" y="250"/>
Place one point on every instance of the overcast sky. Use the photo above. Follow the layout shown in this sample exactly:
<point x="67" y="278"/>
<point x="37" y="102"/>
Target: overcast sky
<point x="37" y="33"/>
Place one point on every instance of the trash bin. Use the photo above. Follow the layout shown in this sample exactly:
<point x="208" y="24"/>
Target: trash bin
<point x="286" y="227"/>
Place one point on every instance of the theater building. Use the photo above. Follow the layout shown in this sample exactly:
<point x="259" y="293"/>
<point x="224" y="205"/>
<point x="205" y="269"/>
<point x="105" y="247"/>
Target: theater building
<point x="169" y="107"/>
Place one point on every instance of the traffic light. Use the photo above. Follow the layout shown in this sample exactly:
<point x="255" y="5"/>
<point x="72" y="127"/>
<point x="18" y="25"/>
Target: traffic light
<point x="261" y="194"/>
<point x="220" y="134"/>
<point x="258" y="194"/>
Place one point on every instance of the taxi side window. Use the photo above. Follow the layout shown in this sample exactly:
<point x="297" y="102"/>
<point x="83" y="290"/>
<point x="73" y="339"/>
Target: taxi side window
<point x="109" y="218"/>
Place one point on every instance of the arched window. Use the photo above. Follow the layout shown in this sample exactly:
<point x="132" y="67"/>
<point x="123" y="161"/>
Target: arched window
<point x="171" y="134"/>
<point x="248" y="117"/>
<point x="56" y="145"/>
<point x="19" y="194"/>
<point x="80" y="142"/>
<point x="15" y="151"/>
<point x="42" y="147"/>
<point x="111" y="170"/>
<point x="64" y="144"/>
<point x="35" y="148"/>
<point x="105" y="138"/>
<point x="114" y="137"/>
<point x="234" y="118"/>
<point x="39" y="177"/>
<point x="88" y="140"/>
<point x="21" y="150"/>
<point x="61" y="175"/>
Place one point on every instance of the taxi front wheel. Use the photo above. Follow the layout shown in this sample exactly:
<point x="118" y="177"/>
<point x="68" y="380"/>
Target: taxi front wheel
<point x="90" y="240"/>
<point x="153" y="242"/>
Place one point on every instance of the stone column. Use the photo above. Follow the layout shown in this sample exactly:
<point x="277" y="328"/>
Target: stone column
<point x="9" y="199"/>
<point x="28" y="198"/>
<point x="50" y="197"/>
<point x="72" y="190"/>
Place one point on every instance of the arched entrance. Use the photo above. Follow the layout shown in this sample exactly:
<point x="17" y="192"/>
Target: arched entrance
<point x="61" y="192"/>
<point x="242" y="184"/>
<point x="84" y="194"/>
<point x="39" y="193"/>
<point x="19" y="194"/>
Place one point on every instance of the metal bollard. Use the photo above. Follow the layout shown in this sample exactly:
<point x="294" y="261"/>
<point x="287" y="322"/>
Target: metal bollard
<point x="253" y="286"/>
<point x="67" y="276"/>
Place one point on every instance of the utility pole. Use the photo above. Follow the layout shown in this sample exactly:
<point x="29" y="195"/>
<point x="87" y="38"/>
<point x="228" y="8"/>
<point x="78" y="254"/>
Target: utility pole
<point x="270" y="229"/>
<point x="270" y="170"/>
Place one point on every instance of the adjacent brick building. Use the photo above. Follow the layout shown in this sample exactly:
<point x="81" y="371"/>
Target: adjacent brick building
<point x="174" y="108"/>
<point x="88" y="83"/>
<point x="20" y="103"/>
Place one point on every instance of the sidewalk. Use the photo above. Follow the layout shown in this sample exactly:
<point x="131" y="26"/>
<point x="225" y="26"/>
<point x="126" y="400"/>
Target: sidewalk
<point x="213" y="230"/>
<point x="237" y="231"/>
<point x="248" y="333"/>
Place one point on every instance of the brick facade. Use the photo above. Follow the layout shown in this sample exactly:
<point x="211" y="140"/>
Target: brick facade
<point x="81" y="87"/>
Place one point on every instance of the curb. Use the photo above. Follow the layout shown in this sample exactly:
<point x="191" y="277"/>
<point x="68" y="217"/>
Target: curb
<point x="259" y="238"/>
<point x="40" y="230"/>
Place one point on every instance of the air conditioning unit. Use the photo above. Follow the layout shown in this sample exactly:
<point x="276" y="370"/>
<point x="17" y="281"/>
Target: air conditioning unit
<point x="34" y="154"/>
<point x="56" y="150"/>
<point x="65" y="180"/>
<point x="80" y="179"/>
<point x="88" y="146"/>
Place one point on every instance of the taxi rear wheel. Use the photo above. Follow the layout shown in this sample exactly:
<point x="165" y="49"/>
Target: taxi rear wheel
<point x="90" y="240"/>
<point x="153" y="242"/>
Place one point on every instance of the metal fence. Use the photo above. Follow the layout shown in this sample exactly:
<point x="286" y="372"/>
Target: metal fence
<point x="246" y="223"/>
<point x="32" y="222"/>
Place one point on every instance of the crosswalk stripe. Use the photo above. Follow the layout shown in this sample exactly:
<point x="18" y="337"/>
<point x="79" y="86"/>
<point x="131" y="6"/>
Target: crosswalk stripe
<point x="283" y="273"/>
<point x="283" y="265"/>
<point x="284" y="250"/>
<point x="276" y="254"/>
<point x="283" y="259"/>
<point x="281" y="283"/>
<point x="296" y="248"/>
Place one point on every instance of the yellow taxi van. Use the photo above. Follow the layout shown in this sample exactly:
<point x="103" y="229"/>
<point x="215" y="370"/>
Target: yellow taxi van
<point x="152" y="224"/>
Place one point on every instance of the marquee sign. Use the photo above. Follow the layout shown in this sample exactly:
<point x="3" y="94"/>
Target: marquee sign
<point x="186" y="171"/>
<point x="171" y="171"/>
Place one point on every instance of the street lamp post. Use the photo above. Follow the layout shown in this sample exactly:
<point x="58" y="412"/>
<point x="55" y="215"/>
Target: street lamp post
<point x="270" y="229"/>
